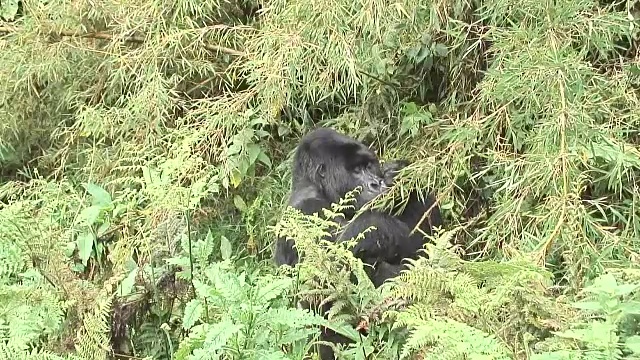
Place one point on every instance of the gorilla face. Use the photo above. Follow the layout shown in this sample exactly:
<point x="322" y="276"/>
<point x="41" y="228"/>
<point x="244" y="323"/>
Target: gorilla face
<point x="337" y="164"/>
<point x="368" y="175"/>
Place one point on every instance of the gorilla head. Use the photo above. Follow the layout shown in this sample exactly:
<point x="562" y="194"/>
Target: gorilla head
<point x="336" y="164"/>
<point x="326" y="166"/>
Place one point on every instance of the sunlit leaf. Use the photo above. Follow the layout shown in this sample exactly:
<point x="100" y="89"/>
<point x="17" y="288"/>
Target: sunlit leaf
<point x="85" y="242"/>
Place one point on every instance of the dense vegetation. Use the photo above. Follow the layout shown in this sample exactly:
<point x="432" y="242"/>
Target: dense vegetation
<point x="144" y="168"/>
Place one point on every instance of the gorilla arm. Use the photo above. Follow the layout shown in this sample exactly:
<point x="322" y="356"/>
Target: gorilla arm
<point x="412" y="211"/>
<point x="381" y="247"/>
<point x="309" y="201"/>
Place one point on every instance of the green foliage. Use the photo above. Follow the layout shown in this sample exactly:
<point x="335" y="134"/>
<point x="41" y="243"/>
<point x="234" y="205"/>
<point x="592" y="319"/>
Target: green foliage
<point x="609" y="331"/>
<point x="142" y="139"/>
<point x="238" y="314"/>
<point x="30" y="311"/>
<point x="9" y="9"/>
<point x="93" y="337"/>
<point x="445" y="291"/>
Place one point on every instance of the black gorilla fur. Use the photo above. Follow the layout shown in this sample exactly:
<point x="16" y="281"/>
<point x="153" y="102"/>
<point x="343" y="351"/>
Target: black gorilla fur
<point x="326" y="166"/>
<point x="394" y="236"/>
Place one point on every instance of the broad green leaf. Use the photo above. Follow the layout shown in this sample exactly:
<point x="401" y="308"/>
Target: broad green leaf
<point x="633" y="343"/>
<point x="254" y="151"/>
<point x="425" y="52"/>
<point x="447" y="206"/>
<point x="263" y="158"/>
<point x="625" y="289"/>
<point x="78" y="267"/>
<point x="218" y="335"/>
<point x="119" y="209"/>
<point x="90" y="214"/>
<point x="225" y="248"/>
<point x="235" y="178"/>
<point x="85" y="246"/>
<point x="239" y="203"/>
<point x="441" y="50"/>
<point x="126" y="285"/>
<point x="283" y="130"/>
<point x="273" y="289"/>
<point x="100" y="196"/>
<point x="588" y="305"/>
<point x="8" y="9"/>
<point x="631" y="307"/>
<point x="69" y="248"/>
<point x="102" y="229"/>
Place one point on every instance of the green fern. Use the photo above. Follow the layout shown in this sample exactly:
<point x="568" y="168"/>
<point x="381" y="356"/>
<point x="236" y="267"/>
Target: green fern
<point x="93" y="341"/>
<point x="232" y="308"/>
<point x="460" y="341"/>
<point x="11" y="351"/>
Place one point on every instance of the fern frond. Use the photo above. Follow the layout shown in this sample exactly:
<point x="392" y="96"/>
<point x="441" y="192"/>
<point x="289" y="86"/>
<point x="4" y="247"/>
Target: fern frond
<point x="461" y="339"/>
<point x="93" y="340"/>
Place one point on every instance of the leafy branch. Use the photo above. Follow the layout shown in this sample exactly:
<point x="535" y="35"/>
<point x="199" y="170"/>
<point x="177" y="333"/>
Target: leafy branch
<point x="106" y="36"/>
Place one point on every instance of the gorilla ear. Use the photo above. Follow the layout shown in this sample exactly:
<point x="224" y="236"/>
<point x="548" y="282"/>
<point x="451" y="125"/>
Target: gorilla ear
<point x="320" y="170"/>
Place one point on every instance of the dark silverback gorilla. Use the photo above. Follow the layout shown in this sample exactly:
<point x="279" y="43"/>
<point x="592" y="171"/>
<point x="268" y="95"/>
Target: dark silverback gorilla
<point x="326" y="166"/>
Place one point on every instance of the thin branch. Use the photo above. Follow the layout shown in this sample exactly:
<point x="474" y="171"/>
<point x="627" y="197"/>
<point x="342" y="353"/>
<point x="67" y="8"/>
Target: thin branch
<point x="105" y="36"/>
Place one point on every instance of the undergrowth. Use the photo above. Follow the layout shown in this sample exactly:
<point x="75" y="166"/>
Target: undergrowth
<point x="145" y="152"/>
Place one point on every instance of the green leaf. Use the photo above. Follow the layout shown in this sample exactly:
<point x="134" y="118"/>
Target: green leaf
<point x="102" y="229"/>
<point x="413" y="52"/>
<point x="273" y="289"/>
<point x="409" y="108"/>
<point x="440" y="50"/>
<point x="588" y="305"/>
<point x="225" y="248"/>
<point x="239" y="203"/>
<point x="447" y="206"/>
<point x="100" y="196"/>
<point x="77" y="267"/>
<point x="234" y="149"/>
<point x="217" y="337"/>
<point x="69" y="248"/>
<point x="85" y="243"/>
<point x="192" y="313"/>
<point x="119" y="209"/>
<point x="235" y="177"/>
<point x="633" y="343"/>
<point x="425" y="52"/>
<point x="8" y="9"/>
<point x="625" y="289"/>
<point x="406" y="125"/>
<point x="263" y="158"/>
<point x="631" y="307"/>
<point x="126" y="285"/>
<point x="283" y="130"/>
<point x="254" y="151"/>
<point x="90" y="214"/>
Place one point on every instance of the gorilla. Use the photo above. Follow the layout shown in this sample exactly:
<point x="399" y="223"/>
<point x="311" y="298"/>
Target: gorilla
<point x="327" y="165"/>
<point x="397" y="236"/>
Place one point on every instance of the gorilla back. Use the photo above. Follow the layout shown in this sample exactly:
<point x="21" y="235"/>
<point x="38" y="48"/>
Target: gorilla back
<point x="326" y="166"/>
